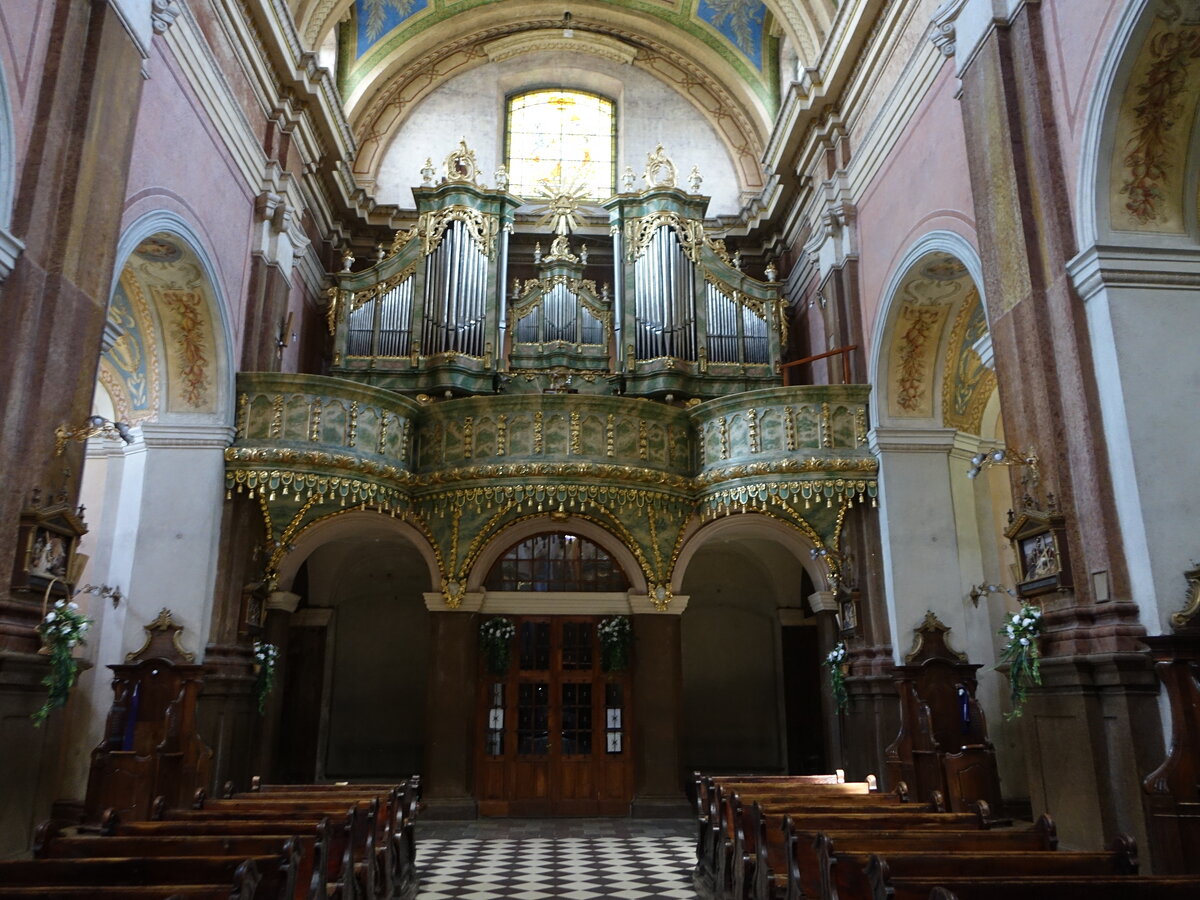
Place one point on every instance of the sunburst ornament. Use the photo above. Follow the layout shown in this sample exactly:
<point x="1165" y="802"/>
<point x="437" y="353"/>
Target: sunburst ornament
<point x="561" y="204"/>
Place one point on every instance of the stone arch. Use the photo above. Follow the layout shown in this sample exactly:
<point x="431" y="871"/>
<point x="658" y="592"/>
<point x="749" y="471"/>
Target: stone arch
<point x="10" y="247"/>
<point x="753" y="527"/>
<point x="1138" y="274"/>
<point x="934" y="285"/>
<point x="805" y="23"/>
<point x="165" y="367"/>
<point x="1139" y="162"/>
<point x="8" y="155"/>
<point x="354" y="524"/>
<point x="181" y="317"/>
<point x="750" y="648"/>
<point x="506" y="537"/>
<point x="731" y="110"/>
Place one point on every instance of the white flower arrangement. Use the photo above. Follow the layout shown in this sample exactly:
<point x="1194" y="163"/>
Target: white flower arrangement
<point x="62" y="630"/>
<point x="1022" y="654"/>
<point x="835" y="661"/>
<point x="266" y="658"/>
<point x="495" y="638"/>
<point x="616" y="636"/>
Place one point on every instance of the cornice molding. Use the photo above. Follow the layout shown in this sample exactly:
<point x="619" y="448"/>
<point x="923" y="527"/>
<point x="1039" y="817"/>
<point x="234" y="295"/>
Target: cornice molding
<point x="187" y="436"/>
<point x="1156" y="268"/>
<point x="912" y="440"/>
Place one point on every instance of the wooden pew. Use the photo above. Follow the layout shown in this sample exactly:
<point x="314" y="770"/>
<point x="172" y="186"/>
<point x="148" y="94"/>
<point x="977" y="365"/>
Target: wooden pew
<point x="800" y="849"/>
<point x="852" y="875"/>
<point x="1124" y="887"/>
<point x="190" y="876"/>
<point x="339" y="856"/>
<point x="751" y="864"/>
<point x="718" y="863"/>
<point x="51" y="844"/>
<point x="321" y="868"/>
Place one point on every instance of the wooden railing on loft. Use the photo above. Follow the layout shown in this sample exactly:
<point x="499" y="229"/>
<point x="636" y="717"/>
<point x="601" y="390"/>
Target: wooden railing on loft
<point x="843" y="351"/>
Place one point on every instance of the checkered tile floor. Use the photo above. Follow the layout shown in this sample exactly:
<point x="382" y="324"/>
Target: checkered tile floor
<point x="575" y="868"/>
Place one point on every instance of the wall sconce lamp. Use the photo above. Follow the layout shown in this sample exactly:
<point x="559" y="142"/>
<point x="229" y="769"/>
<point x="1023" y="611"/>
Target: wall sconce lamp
<point x="980" y="591"/>
<point x="1004" y="456"/>
<point x="568" y="31"/>
<point x="837" y="565"/>
<point x="94" y="425"/>
<point x="285" y="335"/>
<point x="103" y="591"/>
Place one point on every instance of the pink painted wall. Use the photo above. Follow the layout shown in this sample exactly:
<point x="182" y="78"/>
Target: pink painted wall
<point x="24" y="37"/>
<point x="923" y="186"/>
<point x="208" y="192"/>
<point x="1078" y="34"/>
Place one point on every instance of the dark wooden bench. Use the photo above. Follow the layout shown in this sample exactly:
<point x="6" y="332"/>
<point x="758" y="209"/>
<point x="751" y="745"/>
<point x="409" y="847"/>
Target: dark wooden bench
<point x="1066" y="887"/>
<point x="854" y="875"/>
<point x="802" y="858"/>
<point x="263" y="876"/>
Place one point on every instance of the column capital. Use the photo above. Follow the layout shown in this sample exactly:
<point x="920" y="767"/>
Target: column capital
<point x="823" y="601"/>
<point x="435" y="601"/>
<point x="971" y="22"/>
<point x="643" y="604"/>
<point x="283" y="601"/>
<point x="891" y="439"/>
<point x="186" y="436"/>
<point x="1151" y="268"/>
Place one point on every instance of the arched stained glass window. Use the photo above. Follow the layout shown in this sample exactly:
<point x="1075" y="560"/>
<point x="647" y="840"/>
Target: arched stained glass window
<point x="556" y="562"/>
<point x="561" y="137"/>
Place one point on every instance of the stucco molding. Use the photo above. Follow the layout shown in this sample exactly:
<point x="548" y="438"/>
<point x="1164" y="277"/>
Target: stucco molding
<point x="912" y="440"/>
<point x="10" y="249"/>
<point x="538" y="41"/>
<point x="1158" y="269"/>
<point x="942" y="30"/>
<point x="888" y="313"/>
<point x="181" y="436"/>
<point x="163" y="14"/>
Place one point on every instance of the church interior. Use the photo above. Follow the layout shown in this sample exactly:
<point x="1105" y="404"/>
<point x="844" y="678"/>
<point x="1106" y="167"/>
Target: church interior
<point x="554" y="400"/>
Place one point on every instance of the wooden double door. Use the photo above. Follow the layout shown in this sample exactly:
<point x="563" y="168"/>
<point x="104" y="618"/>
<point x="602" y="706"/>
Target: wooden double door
<point x="553" y="736"/>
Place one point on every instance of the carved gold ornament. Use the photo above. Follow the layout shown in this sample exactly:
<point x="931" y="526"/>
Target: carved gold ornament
<point x="660" y="170"/>
<point x="482" y="228"/>
<point x="460" y="165"/>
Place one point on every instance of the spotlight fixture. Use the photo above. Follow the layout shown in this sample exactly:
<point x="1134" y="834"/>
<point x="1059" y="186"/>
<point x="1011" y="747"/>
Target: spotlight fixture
<point x="568" y="31"/>
<point x="1004" y="456"/>
<point x="980" y="591"/>
<point x="93" y="426"/>
<point x="103" y="591"/>
<point x="837" y="565"/>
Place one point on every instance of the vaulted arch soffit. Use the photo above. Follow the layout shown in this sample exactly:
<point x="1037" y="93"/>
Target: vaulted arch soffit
<point x="379" y="103"/>
<point x="165" y="355"/>
<point x="748" y="532"/>
<point x="1141" y="187"/>
<point x="927" y="365"/>
<point x="358" y="528"/>
<point x="740" y="30"/>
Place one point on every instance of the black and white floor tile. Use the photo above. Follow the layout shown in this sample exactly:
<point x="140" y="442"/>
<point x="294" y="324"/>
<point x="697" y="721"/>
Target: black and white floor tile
<point x="510" y="866"/>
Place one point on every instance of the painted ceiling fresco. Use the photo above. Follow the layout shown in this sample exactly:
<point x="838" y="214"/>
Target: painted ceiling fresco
<point x="736" y="29"/>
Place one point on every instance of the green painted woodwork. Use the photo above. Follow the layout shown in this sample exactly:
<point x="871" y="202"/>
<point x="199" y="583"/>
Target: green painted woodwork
<point x="462" y="471"/>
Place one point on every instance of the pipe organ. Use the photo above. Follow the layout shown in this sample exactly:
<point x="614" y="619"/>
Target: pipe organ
<point x="456" y="294"/>
<point x="432" y="314"/>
